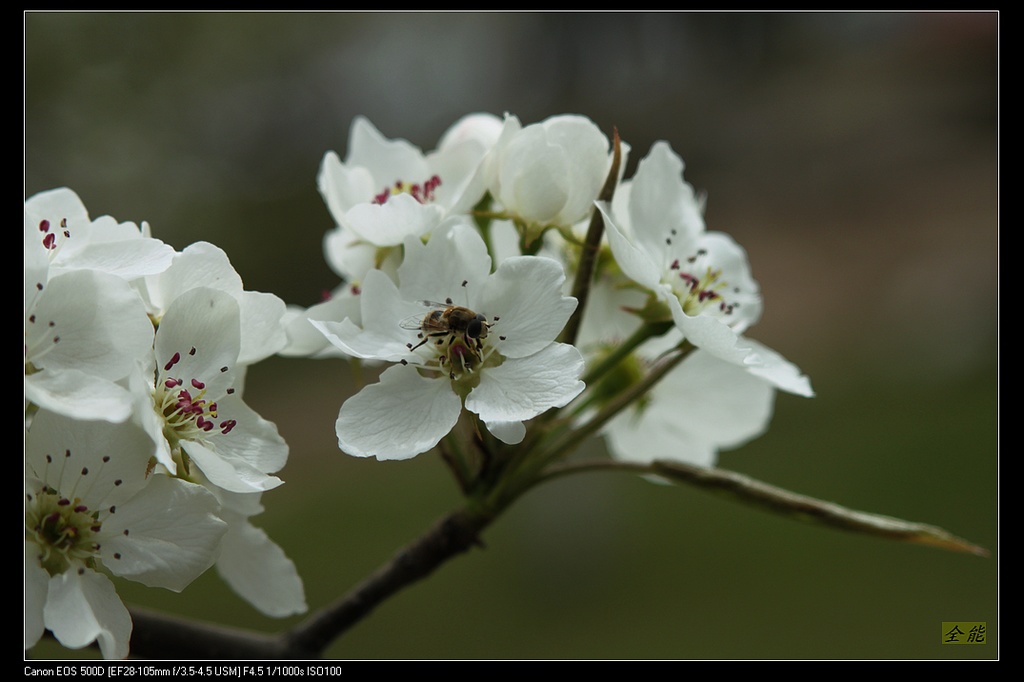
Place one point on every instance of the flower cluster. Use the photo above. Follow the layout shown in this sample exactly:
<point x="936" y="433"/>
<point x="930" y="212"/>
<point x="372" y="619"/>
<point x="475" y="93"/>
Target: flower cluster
<point x="459" y="266"/>
<point x="142" y="460"/>
<point x="516" y="293"/>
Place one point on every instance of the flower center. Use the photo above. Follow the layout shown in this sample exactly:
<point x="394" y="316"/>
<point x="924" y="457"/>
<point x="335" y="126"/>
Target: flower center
<point x="423" y="193"/>
<point x="700" y="287"/>
<point x="455" y="339"/>
<point x="183" y="404"/>
<point x="60" y="524"/>
<point x="462" y="354"/>
<point x="457" y="352"/>
<point x="65" y="530"/>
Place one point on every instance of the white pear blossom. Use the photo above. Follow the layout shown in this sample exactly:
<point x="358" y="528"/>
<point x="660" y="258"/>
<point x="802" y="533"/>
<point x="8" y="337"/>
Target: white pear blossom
<point x="498" y="358"/>
<point x="386" y="190"/>
<point x="85" y="327"/>
<point x="656" y="231"/>
<point x="58" y="227"/>
<point x="204" y="265"/>
<point x="548" y="173"/>
<point x="204" y="432"/>
<point x="702" y="406"/>
<point x="91" y="504"/>
<point x="194" y="411"/>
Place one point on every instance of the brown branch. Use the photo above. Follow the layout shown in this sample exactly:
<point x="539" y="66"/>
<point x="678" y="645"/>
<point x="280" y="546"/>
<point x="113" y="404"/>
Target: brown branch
<point x="156" y="635"/>
<point x="162" y="636"/>
<point x="452" y="535"/>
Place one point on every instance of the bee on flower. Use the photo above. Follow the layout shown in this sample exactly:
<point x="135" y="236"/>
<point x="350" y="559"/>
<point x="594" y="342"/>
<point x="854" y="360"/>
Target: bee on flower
<point x="492" y="350"/>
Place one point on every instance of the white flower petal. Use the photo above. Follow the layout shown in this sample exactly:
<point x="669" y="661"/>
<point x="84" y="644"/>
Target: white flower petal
<point x="230" y="470"/>
<point x="382" y="310"/>
<point x="259" y="571"/>
<point x="56" y="203"/>
<point x="305" y="340"/>
<point x="482" y="128"/>
<point x="253" y="438"/>
<point x="146" y="417"/>
<point x="89" y="321"/>
<point x="199" y="263"/>
<point x="203" y="264"/>
<point x="342" y="187"/>
<point x="172" y="534"/>
<point x="37" y="583"/>
<point x="436" y="270"/>
<point x="103" y="463"/>
<point x="120" y="249"/>
<point x="549" y="172"/>
<point x="712" y="335"/>
<point x="458" y="160"/>
<point x="521" y="388"/>
<point x="779" y="372"/>
<point x="129" y="259"/>
<point x="525" y="292"/>
<point x="700" y="407"/>
<point x="208" y="321"/>
<point x="82" y="608"/>
<point x="742" y="291"/>
<point x="639" y="264"/>
<point x="659" y="196"/>
<point x="387" y="160"/>
<point x="388" y="224"/>
<point x="534" y="180"/>
<point x="724" y="403"/>
<point x="348" y="338"/>
<point x="587" y="149"/>
<point x="631" y="438"/>
<point x="511" y="433"/>
<point x="607" y="320"/>
<point x="79" y="395"/>
<point x="399" y="417"/>
<point x="262" y="321"/>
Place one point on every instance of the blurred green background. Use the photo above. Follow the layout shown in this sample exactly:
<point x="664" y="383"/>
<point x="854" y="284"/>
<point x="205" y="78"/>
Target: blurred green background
<point x="854" y="156"/>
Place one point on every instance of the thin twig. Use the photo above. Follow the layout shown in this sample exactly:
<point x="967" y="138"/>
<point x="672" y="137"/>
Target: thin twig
<point x="591" y="247"/>
<point x="806" y="508"/>
<point x="775" y="499"/>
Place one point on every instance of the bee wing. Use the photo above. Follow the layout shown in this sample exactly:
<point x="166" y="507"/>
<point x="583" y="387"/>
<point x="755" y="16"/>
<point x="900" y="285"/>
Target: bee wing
<point x="413" y="322"/>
